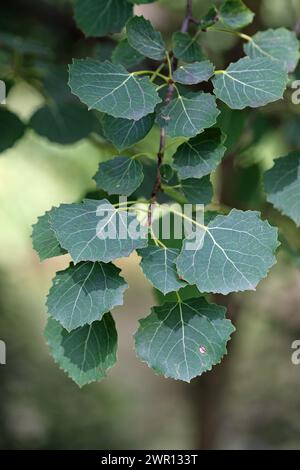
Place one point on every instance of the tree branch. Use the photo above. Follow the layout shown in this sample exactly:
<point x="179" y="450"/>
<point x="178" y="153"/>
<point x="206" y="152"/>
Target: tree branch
<point x="169" y="95"/>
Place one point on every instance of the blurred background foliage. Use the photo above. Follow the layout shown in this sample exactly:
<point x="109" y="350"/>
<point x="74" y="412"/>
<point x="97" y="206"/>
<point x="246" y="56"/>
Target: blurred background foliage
<point x="252" y="400"/>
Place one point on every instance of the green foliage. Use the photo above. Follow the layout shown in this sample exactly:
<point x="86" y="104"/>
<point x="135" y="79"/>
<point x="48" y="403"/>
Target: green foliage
<point x="232" y="253"/>
<point x="191" y="74"/>
<point x="183" y="339"/>
<point x="82" y="229"/>
<point x="188" y="114"/>
<point x="186" y="47"/>
<point x="200" y="155"/>
<point x="282" y="185"/>
<point x="85" y="353"/>
<point x="159" y="266"/>
<point x="174" y="92"/>
<point x="64" y="123"/>
<point x="122" y="175"/>
<point x="279" y="44"/>
<point x="196" y="190"/>
<point x="12" y="129"/>
<point x="143" y="37"/>
<point x="100" y="17"/>
<point x="44" y="240"/>
<point x="123" y="133"/>
<point x="111" y="89"/>
<point x="93" y="288"/>
<point x="251" y="82"/>
<point x="235" y="14"/>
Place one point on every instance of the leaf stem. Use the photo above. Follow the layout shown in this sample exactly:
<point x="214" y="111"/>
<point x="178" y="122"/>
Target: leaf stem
<point x="169" y="95"/>
<point x="231" y="31"/>
<point x="150" y="72"/>
<point x="143" y="154"/>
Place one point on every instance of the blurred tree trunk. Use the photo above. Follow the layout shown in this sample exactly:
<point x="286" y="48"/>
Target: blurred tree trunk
<point x="208" y="390"/>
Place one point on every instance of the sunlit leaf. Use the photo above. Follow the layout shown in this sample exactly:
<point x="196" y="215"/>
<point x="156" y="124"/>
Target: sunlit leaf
<point x="111" y="89"/>
<point x="233" y="253"/>
<point x="251" y="82"/>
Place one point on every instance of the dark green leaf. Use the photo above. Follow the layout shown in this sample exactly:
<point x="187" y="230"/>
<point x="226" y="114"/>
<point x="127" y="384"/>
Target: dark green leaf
<point x="198" y="191"/>
<point x="101" y="17"/>
<point x="84" y="293"/>
<point x="186" y="47"/>
<point x="183" y="339"/>
<point x="143" y="37"/>
<point x="200" y="155"/>
<point x="44" y="240"/>
<point x="282" y="185"/>
<point x="166" y="172"/>
<point x="188" y="115"/>
<point x="159" y="266"/>
<point x="121" y="175"/>
<point x="84" y="354"/>
<point x="197" y="72"/>
<point x="123" y="133"/>
<point x="64" y="123"/>
<point x="208" y="20"/>
<point x="111" y="89"/>
<point x="126" y="55"/>
<point x="12" y="129"/>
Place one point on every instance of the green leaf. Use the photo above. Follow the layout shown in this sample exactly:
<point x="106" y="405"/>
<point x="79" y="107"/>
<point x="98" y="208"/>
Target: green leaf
<point x="142" y="36"/>
<point x="166" y="172"/>
<point x="12" y="129"/>
<point x="191" y="74"/>
<point x="251" y="82"/>
<point x="282" y="185"/>
<point x="122" y="175"/>
<point x="208" y="20"/>
<point x="200" y="155"/>
<point x="198" y="191"/>
<point x="126" y="55"/>
<point x="186" y="47"/>
<point x="64" y="123"/>
<point x="84" y="354"/>
<point x="44" y="240"/>
<point x="188" y="115"/>
<point x="97" y="231"/>
<point x="183" y="339"/>
<point x="84" y="293"/>
<point x="111" y="89"/>
<point x="233" y="253"/>
<point x="101" y="17"/>
<point x="159" y="266"/>
<point x="235" y="14"/>
<point x="124" y="133"/>
<point x="280" y="44"/>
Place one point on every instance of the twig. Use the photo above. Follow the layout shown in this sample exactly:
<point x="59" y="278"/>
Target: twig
<point x="169" y="95"/>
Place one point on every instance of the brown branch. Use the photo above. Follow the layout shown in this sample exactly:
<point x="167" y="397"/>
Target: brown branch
<point x="169" y="95"/>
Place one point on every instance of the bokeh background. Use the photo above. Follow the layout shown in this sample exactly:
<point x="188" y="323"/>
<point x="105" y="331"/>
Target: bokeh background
<point x="252" y="400"/>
